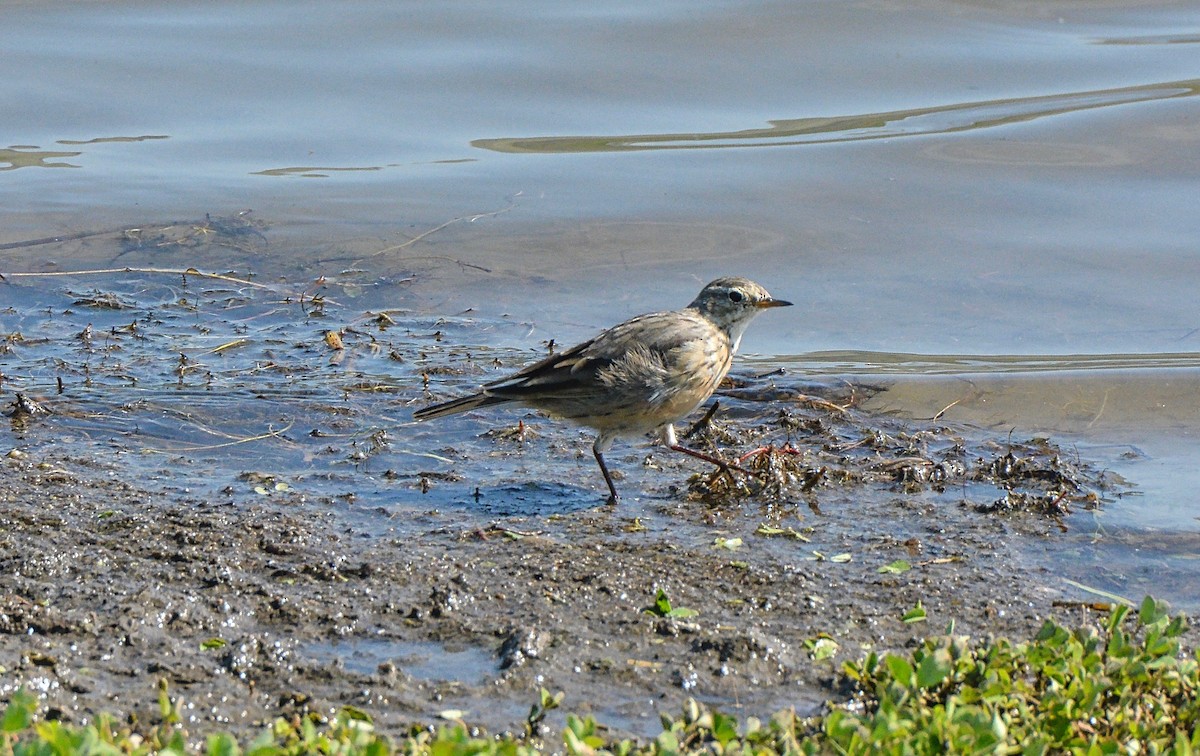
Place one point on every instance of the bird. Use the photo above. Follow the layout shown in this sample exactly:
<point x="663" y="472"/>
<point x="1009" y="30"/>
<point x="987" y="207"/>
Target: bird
<point x="638" y="377"/>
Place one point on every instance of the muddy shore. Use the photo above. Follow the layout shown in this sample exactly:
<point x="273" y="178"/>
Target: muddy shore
<point x="278" y="608"/>
<point x="218" y="485"/>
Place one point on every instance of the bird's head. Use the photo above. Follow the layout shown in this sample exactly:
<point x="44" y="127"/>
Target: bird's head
<point x="731" y="303"/>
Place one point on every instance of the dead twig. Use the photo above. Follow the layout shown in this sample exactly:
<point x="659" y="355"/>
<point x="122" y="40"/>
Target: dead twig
<point x="269" y="434"/>
<point x="148" y="271"/>
<point x="430" y="232"/>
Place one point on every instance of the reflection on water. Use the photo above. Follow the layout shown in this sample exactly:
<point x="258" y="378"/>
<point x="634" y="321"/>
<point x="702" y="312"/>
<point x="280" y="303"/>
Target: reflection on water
<point x="1153" y="39"/>
<point x="313" y="171"/>
<point x="31" y="157"/>
<point x="946" y="119"/>
<point x="102" y="140"/>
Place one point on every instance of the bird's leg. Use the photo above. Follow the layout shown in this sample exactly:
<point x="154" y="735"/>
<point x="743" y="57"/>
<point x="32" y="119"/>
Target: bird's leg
<point x="602" y="445"/>
<point x="704" y="421"/>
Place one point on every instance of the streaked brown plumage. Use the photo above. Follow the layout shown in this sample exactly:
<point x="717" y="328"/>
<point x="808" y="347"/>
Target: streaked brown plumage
<point x="637" y="377"/>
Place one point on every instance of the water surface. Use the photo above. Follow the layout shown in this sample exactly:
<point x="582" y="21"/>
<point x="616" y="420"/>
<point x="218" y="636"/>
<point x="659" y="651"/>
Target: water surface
<point x="990" y="208"/>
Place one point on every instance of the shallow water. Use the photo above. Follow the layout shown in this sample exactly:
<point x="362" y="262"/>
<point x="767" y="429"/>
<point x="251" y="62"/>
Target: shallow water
<point x="990" y="205"/>
<point x="424" y="661"/>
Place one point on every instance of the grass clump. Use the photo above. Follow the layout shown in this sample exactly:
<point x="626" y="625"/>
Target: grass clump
<point x="1124" y="687"/>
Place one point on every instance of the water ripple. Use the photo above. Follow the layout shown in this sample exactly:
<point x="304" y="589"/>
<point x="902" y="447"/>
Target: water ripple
<point x="900" y="363"/>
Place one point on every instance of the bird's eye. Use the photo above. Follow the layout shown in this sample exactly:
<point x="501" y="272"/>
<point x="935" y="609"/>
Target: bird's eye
<point x="736" y="296"/>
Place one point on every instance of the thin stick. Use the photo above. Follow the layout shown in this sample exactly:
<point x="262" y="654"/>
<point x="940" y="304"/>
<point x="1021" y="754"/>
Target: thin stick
<point x="57" y="239"/>
<point x="452" y="221"/>
<point x="938" y="415"/>
<point x="1105" y="594"/>
<point x="427" y="233"/>
<point x="228" y="345"/>
<point x="260" y="437"/>
<point x="155" y="271"/>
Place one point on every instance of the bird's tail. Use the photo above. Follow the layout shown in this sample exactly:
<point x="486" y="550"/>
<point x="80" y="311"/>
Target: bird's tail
<point x="454" y="406"/>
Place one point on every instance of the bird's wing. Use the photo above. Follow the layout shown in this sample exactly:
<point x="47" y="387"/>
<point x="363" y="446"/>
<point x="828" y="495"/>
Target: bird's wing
<point x="555" y="369"/>
<point x="572" y="372"/>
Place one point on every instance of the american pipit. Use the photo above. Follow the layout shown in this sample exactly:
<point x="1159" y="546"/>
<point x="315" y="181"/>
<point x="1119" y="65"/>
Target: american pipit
<point x="637" y="377"/>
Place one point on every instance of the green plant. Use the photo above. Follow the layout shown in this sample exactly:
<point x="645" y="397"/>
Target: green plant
<point x="662" y="607"/>
<point x="1083" y="691"/>
<point x="1122" y="687"/>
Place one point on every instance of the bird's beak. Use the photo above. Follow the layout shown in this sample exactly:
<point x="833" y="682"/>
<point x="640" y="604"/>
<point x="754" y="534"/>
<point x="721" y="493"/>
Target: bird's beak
<point x="763" y="303"/>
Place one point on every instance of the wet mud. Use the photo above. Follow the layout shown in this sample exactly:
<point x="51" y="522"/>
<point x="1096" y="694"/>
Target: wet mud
<point x="254" y="612"/>
<point x="219" y="485"/>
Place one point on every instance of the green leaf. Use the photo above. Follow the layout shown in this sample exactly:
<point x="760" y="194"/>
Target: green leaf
<point x="895" y="568"/>
<point x="732" y="544"/>
<point x="680" y="612"/>
<point x="724" y="728"/>
<point x="933" y="668"/>
<point x="662" y="604"/>
<point x="821" y="648"/>
<point x="662" y="607"/>
<point x="175" y="745"/>
<point x="916" y="614"/>
<point x="573" y="741"/>
<point x="213" y="644"/>
<point x="1151" y="611"/>
<point x="770" y="531"/>
<point x="222" y="744"/>
<point x="667" y="742"/>
<point x="263" y="744"/>
<point x="19" y="713"/>
<point x="60" y="738"/>
<point x="902" y="671"/>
